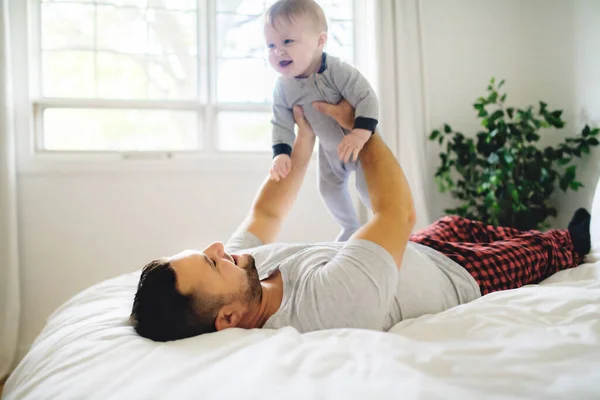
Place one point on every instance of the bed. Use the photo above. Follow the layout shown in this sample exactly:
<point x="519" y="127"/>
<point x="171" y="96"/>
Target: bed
<point x="540" y="341"/>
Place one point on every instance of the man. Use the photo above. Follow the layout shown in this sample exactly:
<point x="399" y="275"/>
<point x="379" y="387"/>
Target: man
<point x="372" y="281"/>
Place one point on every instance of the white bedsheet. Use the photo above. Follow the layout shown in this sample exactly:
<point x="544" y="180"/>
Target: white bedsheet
<point x="541" y="341"/>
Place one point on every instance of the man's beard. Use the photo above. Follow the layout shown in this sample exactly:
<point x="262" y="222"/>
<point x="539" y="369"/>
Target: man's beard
<point x="254" y="292"/>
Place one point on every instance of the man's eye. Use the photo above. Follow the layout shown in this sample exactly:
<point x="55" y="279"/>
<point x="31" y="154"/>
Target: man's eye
<point x="271" y="46"/>
<point x="214" y="263"/>
<point x="288" y="41"/>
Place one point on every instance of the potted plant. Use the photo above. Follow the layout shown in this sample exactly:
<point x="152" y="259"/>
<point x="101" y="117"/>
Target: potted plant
<point x="501" y="177"/>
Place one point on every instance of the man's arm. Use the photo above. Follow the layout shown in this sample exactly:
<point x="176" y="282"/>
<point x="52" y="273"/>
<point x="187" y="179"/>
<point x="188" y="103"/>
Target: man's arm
<point x="275" y="199"/>
<point x="394" y="213"/>
<point x="393" y="208"/>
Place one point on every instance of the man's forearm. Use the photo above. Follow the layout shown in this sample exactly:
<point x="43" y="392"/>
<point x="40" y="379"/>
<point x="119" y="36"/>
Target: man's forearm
<point x="391" y="200"/>
<point x="386" y="182"/>
<point x="275" y="199"/>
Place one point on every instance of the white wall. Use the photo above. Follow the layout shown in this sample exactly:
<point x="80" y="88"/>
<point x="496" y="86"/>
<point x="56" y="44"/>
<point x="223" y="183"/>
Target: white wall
<point x="545" y="49"/>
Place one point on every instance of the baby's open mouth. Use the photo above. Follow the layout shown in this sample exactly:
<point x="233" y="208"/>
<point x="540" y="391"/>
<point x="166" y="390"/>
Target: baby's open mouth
<point x="285" y="63"/>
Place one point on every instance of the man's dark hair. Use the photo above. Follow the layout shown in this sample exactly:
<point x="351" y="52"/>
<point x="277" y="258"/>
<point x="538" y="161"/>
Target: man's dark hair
<point x="161" y="313"/>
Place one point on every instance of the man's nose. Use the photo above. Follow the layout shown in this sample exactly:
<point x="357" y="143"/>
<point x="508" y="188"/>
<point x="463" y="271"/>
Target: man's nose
<point x="217" y="249"/>
<point x="279" y="52"/>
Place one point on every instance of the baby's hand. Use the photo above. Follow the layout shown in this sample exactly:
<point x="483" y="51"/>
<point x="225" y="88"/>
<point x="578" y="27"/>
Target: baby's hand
<point x="280" y="167"/>
<point x="352" y="144"/>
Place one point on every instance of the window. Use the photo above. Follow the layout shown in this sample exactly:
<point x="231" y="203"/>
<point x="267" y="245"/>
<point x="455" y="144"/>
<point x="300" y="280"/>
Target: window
<point x="159" y="75"/>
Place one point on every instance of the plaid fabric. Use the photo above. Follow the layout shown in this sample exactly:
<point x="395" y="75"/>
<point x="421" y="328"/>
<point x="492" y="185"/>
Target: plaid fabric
<point x="500" y="258"/>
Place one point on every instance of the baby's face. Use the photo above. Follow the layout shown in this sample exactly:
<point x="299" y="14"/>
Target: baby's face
<point x="294" y="48"/>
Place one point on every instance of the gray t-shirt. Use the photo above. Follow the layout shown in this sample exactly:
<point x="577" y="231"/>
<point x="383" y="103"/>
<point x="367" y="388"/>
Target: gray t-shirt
<point x="356" y="284"/>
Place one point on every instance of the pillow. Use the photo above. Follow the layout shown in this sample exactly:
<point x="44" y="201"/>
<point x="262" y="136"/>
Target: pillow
<point x="594" y="255"/>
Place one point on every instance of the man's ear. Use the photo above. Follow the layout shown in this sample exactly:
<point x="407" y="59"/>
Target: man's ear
<point x="229" y="316"/>
<point x="322" y="40"/>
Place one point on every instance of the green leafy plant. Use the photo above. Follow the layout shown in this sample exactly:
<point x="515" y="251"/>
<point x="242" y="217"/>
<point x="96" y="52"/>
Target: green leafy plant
<point x="501" y="177"/>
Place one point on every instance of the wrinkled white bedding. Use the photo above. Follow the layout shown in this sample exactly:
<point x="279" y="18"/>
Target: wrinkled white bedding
<point x="541" y="341"/>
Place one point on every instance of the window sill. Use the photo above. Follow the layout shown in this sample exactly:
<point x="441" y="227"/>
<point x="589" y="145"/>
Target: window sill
<point x="145" y="162"/>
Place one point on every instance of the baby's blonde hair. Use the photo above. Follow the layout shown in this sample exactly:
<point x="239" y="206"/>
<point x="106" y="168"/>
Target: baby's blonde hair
<point x="289" y="10"/>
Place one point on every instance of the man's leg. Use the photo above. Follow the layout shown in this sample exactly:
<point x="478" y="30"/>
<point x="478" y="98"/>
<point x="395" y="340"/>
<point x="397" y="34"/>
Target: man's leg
<point x="511" y="263"/>
<point x="502" y="258"/>
<point x="458" y="229"/>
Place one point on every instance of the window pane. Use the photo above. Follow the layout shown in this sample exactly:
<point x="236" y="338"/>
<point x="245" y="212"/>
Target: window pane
<point x="338" y="9"/>
<point x="147" y="49"/>
<point x="244" y="131"/>
<point x="68" y="26"/>
<point x="139" y="53"/>
<point x="248" y="7"/>
<point x="172" y="77"/>
<point x="120" y="130"/>
<point x="341" y="39"/>
<point x="172" y="32"/>
<point x="131" y="3"/>
<point x="245" y="80"/>
<point x="173" y="4"/>
<point x="68" y="1"/>
<point x="122" y="29"/>
<point x="240" y="36"/>
<point x="121" y="76"/>
<point x="334" y="9"/>
<point x="241" y="53"/>
<point x="68" y="73"/>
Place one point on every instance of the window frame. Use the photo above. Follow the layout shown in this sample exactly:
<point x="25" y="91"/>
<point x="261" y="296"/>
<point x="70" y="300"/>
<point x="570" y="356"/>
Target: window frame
<point x="25" y="31"/>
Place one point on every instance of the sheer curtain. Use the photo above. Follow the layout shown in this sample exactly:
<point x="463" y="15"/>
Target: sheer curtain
<point x="9" y="265"/>
<point x="400" y="76"/>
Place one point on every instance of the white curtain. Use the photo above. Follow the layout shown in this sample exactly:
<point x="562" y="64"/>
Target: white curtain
<point x="9" y="263"/>
<point x="400" y="76"/>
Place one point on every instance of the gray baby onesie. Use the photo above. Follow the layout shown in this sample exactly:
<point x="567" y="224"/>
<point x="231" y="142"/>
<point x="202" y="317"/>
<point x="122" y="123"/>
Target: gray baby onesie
<point x="334" y="81"/>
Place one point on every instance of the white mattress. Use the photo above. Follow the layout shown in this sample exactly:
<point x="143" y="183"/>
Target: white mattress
<point x="541" y="341"/>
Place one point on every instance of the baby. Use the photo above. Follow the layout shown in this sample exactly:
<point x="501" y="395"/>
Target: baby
<point x="296" y="33"/>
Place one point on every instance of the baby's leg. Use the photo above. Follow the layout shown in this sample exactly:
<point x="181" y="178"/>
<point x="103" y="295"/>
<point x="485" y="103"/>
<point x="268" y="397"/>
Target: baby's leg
<point x="361" y="187"/>
<point x="333" y="186"/>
